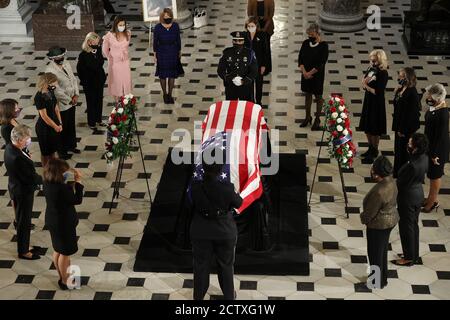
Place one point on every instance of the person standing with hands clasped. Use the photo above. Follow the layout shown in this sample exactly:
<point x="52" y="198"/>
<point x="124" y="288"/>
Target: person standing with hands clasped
<point x="213" y="229"/>
<point x="48" y="127"/>
<point x="312" y="57"/>
<point x="436" y="130"/>
<point x="61" y="218"/>
<point x="66" y="93"/>
<point x="23" y="181"/>
<point x="256" y="40"/>
<point x="9" y="112"/>
<point x="115" y="49"/>
<point x="167" y="52"/>
<point x="238" y="69"/>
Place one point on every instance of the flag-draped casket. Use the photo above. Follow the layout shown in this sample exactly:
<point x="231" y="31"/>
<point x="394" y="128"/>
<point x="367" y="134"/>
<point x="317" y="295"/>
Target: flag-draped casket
<point x="237" y="127"/>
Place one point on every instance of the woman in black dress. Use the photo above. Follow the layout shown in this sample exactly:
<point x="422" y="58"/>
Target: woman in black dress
<point x="48" y="125"/>
<point x="257" y="41"/>
<point x="60" y="215"/>
<point x="9" y="111"/>
<point x="409" y="199"/>
<point x="92" y="78"/>
<point x="406" y="117"/>
<point x="373" y="115"/>
<point x="436" y="129"/>
<point x="312" y="58"/>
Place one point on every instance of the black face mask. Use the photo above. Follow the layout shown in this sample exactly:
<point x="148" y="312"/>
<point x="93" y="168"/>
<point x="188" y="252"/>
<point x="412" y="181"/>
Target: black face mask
<point x="51" y="88"/>
<point x="238" y="45"/>
<point x="401" y="81"/>
<point x="410" y="150"/>
<point x="95" y="47"/>
<point x="312" y="40"/>
<point x="59" y="61"/>
<point x="168" y="20"/>
<point x="430" y="102"/>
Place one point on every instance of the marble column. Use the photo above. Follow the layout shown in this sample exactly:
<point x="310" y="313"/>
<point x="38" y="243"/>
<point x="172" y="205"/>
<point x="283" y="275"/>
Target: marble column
<point x="341" y="16"/>
<point x="15" y="21"/>
<point x="184" y="15"/>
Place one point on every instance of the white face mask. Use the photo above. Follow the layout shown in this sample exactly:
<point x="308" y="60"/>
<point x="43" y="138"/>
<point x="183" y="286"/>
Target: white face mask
<point x="121" y="29"/>
<point x="252" y="29"/>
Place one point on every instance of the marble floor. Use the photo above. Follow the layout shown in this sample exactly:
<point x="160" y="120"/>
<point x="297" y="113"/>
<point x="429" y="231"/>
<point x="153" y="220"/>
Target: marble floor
<point x="108" y="243"/>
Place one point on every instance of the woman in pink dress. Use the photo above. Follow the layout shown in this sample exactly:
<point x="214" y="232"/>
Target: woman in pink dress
<point x="115" y="49"/>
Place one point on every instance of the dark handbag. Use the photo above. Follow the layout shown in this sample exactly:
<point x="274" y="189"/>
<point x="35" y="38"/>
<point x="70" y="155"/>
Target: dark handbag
<point x="180" y="69"/>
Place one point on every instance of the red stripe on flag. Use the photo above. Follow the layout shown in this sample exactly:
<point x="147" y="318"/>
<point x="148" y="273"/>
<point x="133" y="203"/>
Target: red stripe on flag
<point x="243" y="143"/>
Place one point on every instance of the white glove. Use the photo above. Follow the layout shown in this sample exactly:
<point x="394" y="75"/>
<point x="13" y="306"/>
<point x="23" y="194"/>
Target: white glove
<point x="237" y="81"/>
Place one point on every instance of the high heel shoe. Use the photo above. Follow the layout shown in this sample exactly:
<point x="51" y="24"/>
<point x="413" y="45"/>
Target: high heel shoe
<point x="306" y="121"/>
<point x="435" y="206"/>
<point x="62" y="286"/>
<point x="316" y="125"/>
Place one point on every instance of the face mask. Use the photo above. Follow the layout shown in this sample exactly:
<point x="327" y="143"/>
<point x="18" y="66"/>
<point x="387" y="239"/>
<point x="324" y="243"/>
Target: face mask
<point x="59" y="61"/>
<point x="374" y="64"/>
<point x="168" y="20"/>
<point x="430" y="102"/>
<point x="95" y="46"/>
<point x="17" y="113"/>
<point x="312" y="40"/>
<point x="238" y="45"/>
<point x="121" y="29"/>
<point x="251" y="29"/>
<point x="410" y="150"/>
<point x="401" y="81"/>
<point x="28" y="143"/>
<point x="51" y="88"/>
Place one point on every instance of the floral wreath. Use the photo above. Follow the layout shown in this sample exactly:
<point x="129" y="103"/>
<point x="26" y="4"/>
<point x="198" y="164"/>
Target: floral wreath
<point x="337" y="121"/>
<point x="121" y="128"/>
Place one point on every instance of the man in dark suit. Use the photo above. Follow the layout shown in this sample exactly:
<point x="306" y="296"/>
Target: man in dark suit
<point x="22" y="182"/>
<point x="238" y="69"/>
<point x="213" y="230"/>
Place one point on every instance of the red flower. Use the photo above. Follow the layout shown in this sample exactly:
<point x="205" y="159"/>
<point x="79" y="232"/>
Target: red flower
<point x="113" y="115"/>
<point x="124" y="118"/>
<point x="133" y="101"/>
<point x="331" y="102"/>
<point x="334" y="133"/>
<point x="116" y="133"/>
<point x="331" y="122"/>
<point x="332" y="109"/>
<point x="339" y="151"/>
<point x="342" y="102"/>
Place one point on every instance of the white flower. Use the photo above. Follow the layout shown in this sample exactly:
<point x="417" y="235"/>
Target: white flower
<point x="344" y="160"/>
<point x="339" y="128"/>
<point x="334" y="115"/>
<point x="109" y="154"/>
<point x="339" y="120"/>
<point x="113" y="127"/>
<point x="120" y="110"/>
<point x="349" y="153"/>
<point x="343" y="115"/>
<point x="129" y="96"/>
<point x="114" y="111"/>
<point x="115" y="140"/>
<point x="345" y="132"/>
<point x="109" y="119"/>
<point x="125" y="101"/>
<point x="341" y="108"/>
<point x="337" y="99"/>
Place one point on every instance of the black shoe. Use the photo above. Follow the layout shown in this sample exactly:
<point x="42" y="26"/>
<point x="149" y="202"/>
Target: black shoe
<point x="93" y="128"/>
<point x="435" y="206"/>
<point x="102" y="124"/>
<point x="306" y="121"/>
<point x="375" y="152"/>
<point x="316" y="125"/>
<point x="75" y="150"/>
<point x="62" y="286"/>
<point x="367" y="153"/>
<point x="36" y="250"/>
<point x="64" y="155"/>
<point x="33" y="257"/>
<point x="171" y="100"/>
<point x="405" y="264"/>
<point x="166" y="98"/>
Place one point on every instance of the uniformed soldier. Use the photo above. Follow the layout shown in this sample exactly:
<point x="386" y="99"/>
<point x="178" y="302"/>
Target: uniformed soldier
<point x="213" y="231"/>
<point x="238" y="69"/>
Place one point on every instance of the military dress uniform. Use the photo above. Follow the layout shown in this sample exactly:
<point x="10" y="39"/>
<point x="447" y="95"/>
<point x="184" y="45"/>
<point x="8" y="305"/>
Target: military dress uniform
<point x="238" y="61"/>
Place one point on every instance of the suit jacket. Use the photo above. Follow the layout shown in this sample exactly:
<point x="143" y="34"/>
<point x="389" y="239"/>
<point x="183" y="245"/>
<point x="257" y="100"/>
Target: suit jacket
<point x="379" y="205"/>
<point x="213" y="195"/>
<point x="260" y="46"/>
<point x="406" y="117"/>
<point x="67" y="84"/>
<point x="61" y="200"/>
<point x="269" y="11"/>
<point x="409" y="181"/>
<point x="22" y="176"/>
<point x="90" y="70"/>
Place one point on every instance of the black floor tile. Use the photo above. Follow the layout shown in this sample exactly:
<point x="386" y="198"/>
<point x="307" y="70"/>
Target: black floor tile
<point x="135" y="282"/>
<point x="420" y="289"/>
<point x="45" y="295"/>
<point x="160" y="296"/>
<point x="305" y="286"/>
<point x="333" y="272"/>
<point x="25" y="278"/>
<point x="101" y="295"/>
<point x="248" y="285"/>
<point x="112" y="266"/>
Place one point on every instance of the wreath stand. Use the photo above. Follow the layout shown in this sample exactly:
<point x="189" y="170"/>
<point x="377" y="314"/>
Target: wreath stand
<point x="340" y="174"/>
<point x="118" y="180"/>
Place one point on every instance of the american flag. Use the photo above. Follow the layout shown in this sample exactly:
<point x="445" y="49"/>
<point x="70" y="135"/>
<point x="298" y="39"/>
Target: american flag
<point x="236" y="126"/>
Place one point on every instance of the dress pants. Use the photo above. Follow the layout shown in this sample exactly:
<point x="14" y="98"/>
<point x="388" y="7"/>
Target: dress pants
<point x="23" y="208"/>
<point x="68" y="136"/>
<point x="401" y="155"/>
<point x="94" y="102"/>
<point x="409" y="230"/>
<point x="377" y="249"/>
<point x="224" y="252"/>
<point x="259" y="87"/>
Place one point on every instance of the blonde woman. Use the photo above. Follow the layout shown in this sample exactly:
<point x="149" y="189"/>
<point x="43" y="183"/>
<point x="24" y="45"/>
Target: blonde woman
<point x="373" y="116"/>
<point x="49" y="125"/>
<point x="92" y="78"/>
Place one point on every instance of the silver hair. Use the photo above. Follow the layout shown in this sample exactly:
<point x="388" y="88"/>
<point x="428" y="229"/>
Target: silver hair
<point x="313" y="27"/>
<point x="437" y="92"/>
<point x="19" y="133"/>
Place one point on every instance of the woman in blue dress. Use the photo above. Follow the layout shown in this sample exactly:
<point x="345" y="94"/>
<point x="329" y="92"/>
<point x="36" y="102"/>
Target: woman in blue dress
<point x="167" y="52"/>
